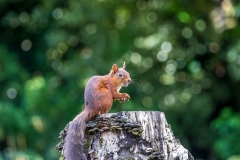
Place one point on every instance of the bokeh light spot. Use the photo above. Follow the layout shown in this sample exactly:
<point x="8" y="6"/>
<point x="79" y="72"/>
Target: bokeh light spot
<point x="57" y="13"/>
<point x="220" y="71"/>
<point x="150" y="41"/>
<point x="163" y="32"/>
<point x="232" y="55"/>
<point x="86" y="53"/>
<point x="147" y="62"/>
<point x="196" y="88"/>
<point x="141" y="5"/>
<point x="213" y="47"/>
<point x="200" y="24"/>
<point x="155" y="4"/>
<point x="169" y="100"/>
<point x="187" y="33"/>
<point x="238" y="59"/>
<point x="136" y="58"/>
<point x="185" y="96"/>
<point x="147" y="101"/>
<point x="73" y="41"/>
<point x="37" y="123"/>
<point x="162" y="56"/>
<point x="181" y="76"/>
<point x="152" y="17"/>
<point x="194" y="66"/>
<point x="180" y="55"/>
<point x="171" y="67"/>
<point x="184" y="17"/>
<point x="231" y="23"/>
<point x="120" y="23"/>
<point x="200" y="49"/>
<point x="57" y="64"/>
<point x="11" y="93"/>
<point x="147" y="88"/>
<point x="62" y="47"/>
<point x="166" y="47"/>
<point x="35" y="84"/>
<point x="139" y="42"/>
<point x="91" y="28"/>
<point x="24" y="17"/>
<point x="167" y="79"/>
<point x="52" y="54"/>
<point x="26" y="45"/>
<point x="14" y="23"/>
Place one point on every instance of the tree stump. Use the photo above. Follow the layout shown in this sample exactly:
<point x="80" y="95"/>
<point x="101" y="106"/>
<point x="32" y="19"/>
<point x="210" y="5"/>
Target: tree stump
<point x="131" y="136"/>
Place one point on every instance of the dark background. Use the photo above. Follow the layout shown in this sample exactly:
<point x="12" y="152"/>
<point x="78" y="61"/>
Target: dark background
<point x="184" y="54"/>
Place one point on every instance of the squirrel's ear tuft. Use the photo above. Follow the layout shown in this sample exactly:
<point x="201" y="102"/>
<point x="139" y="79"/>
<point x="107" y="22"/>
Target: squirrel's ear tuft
<point x="124" y="66"/>
<point x="114" y="68"/>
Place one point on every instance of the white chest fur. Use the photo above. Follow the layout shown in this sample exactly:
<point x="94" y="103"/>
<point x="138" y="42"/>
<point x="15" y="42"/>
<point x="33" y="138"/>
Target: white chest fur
<point x="119" y="88"/>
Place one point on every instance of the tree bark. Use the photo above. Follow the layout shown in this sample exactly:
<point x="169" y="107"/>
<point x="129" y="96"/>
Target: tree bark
<point x="132" y="135"/>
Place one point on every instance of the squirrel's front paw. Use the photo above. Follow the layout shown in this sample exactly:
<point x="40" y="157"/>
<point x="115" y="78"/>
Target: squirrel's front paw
<point x="125" y="97"/>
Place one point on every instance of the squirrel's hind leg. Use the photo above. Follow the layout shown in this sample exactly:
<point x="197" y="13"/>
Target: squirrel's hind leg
<point x="103" y="100"/>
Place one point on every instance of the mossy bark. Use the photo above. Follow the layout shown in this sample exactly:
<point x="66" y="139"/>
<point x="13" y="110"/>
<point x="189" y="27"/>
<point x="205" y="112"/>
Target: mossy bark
<point x="132" y="136"/>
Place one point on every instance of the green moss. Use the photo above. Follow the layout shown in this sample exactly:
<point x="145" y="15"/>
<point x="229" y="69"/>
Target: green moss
<point x="101" y="142"/>
<point x="87" y="144"/>
<point x="139" y="134"/>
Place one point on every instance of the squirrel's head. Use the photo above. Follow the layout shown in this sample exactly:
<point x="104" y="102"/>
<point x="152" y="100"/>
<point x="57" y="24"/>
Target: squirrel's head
<point x="120" y="76"/>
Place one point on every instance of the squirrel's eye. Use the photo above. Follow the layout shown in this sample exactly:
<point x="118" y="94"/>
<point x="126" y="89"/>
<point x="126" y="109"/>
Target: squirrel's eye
<point x="120" y="75"/>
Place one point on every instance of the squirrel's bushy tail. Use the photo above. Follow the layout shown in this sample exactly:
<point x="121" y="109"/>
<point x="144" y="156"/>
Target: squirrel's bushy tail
<point x="74" y="141"/>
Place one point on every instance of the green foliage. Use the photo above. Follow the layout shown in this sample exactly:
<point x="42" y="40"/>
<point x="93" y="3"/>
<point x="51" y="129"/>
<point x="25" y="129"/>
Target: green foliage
<point x="226" y="127"/>
<point x="183" y="55"/>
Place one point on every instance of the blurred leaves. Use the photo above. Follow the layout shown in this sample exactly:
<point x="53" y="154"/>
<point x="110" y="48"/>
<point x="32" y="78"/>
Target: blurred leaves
<point x="227" y="129"/>
<point x="184" y="57"/>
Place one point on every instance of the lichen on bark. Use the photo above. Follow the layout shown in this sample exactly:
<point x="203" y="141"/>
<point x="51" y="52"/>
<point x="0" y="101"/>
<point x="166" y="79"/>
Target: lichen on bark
<point x="131" y="135"/>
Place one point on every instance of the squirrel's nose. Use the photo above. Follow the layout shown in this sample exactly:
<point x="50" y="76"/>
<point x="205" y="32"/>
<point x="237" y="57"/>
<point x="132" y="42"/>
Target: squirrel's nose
<point x="129" y="80"/>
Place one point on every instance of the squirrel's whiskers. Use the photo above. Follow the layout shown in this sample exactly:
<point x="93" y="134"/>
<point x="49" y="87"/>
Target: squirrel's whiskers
<point x="99" y="94"/>
<point x="136" y="83"/>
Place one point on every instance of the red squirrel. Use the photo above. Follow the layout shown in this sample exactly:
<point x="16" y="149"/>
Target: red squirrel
<point x="99" y="94"/>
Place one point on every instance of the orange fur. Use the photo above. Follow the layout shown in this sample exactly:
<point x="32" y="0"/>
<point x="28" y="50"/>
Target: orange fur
<point x="99" y="94"/>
